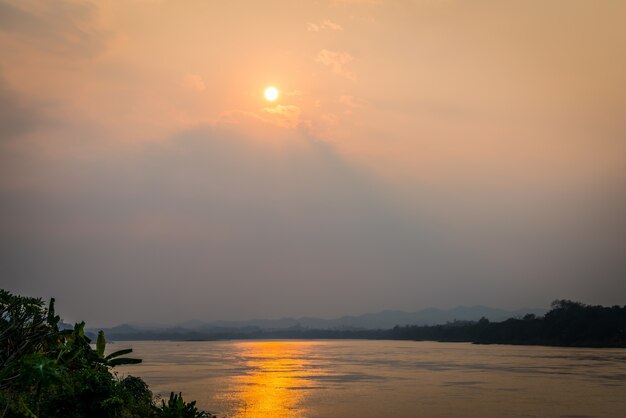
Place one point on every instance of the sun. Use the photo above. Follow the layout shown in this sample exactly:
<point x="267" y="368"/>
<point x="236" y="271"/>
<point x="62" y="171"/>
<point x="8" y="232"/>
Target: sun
<point x="271" y="93"/>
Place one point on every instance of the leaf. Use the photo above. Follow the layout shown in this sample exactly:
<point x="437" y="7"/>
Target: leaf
<point x="79" y="329"/>
<point x="119" y="353"/>
<point x="123" y="360"/>
<point x="100" y="344"/>
<point x="52" y="319"/>
<point x="23" y="408"/>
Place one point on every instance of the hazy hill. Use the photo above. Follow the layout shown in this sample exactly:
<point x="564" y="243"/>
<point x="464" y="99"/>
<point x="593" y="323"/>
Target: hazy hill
<point x="384" y="319"/>
<point x="379" y="320"/>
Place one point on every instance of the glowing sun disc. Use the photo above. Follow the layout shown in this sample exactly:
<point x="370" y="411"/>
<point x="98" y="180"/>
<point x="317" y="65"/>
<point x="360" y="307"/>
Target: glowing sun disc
<point x="271" y="93"/>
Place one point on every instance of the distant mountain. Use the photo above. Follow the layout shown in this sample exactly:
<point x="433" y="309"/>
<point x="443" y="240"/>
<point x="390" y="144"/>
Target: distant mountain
<point x="384" y="319"/>
<point x="379" y="320"/>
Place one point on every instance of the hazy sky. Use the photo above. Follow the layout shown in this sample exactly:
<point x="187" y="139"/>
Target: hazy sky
<point x="421" y="153"/>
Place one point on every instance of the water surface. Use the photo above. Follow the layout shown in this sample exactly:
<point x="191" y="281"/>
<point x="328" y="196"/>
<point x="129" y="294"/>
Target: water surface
<point x="347" y="378"/>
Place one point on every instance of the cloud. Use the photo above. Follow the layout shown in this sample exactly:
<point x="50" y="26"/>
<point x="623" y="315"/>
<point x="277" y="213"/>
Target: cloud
<point x="263" y="231"/>
<point x="352" y="102"/>
<point x="312" y="27"/>
<point x="293" y="93"/>
<point x="325" y="25"/>
<point x="193" y="82"/>
<point x="16" y="117"/>
<point x="239" y="118"/>
<point x="255" y="213"/>
<point x="287" y="116"/>
<point x="354" y="2"/>
<point x="336" y="60"/>
<point x="61" y="27"/>
<point x="271" y="121"/>
<point x="214" y="213"/>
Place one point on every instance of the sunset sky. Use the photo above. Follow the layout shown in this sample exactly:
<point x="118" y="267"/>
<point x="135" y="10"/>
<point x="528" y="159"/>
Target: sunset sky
<point x="421" y="153"/>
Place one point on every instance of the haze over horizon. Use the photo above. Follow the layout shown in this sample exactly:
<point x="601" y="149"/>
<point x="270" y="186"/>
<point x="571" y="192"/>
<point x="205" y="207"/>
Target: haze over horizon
<point x="420" y="153"/>
<point x="426" y="316"/>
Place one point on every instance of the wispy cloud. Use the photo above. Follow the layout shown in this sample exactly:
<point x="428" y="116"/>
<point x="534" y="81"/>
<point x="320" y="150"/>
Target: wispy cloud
<point x="357" y="1"/>
<point x="286" y="116"/>
<point x="16" y="117"/>
<point x="336" y="60"/>
<point x="325" y="25"/>
<point x="64" y="27"/>
<point x="193" y="82"/>
<point x="352" y="102"/>
<point x="293" y="93"/>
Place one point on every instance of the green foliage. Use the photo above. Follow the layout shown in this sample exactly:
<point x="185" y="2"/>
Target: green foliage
<point x="53" y="373"/>
<point x="25" y="328"/>
<point x="100" y="344"/>
<point x="177" y="408"/>
<point x="114" y="358"/>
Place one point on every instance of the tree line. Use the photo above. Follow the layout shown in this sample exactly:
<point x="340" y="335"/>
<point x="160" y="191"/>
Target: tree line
<point x="568" y="323"/>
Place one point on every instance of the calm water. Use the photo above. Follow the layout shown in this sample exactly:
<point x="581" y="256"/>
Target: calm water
<point x="385" y="378"/>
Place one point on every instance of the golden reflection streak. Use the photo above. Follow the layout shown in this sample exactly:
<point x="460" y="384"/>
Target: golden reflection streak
<point x="275" y="386"/>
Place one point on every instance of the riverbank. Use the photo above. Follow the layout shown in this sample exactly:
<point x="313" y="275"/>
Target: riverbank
<point x="567" y="324"/>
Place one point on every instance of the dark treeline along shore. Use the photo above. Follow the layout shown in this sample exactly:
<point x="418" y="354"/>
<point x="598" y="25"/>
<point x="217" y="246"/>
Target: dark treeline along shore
<point x="46" y="371"/>
<point x="568" y="323"/>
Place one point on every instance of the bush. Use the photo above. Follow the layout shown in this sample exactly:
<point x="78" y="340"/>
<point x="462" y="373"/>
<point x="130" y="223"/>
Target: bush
<point x="48" y="372"/>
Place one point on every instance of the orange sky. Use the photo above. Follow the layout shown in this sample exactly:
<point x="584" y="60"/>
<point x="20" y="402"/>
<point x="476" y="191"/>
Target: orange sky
<point x="498" y="125"/>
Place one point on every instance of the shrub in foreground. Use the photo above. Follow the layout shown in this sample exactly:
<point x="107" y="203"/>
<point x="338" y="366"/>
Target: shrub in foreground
<point x="50" y="372"/>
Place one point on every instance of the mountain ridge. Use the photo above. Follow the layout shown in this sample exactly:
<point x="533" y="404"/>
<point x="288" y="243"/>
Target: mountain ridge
<point x="374" y="320"/>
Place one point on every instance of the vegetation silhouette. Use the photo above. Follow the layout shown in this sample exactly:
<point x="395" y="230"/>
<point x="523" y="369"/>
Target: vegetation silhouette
<point x="46" y="371"/>
<point x="568" y="323"/>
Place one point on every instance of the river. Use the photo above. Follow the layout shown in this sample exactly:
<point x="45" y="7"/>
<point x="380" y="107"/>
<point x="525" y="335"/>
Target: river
<point x="359" y="378"/>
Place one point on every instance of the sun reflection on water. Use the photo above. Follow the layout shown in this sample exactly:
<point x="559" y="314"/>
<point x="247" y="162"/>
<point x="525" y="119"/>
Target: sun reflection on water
<point x="277" y="382"/>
